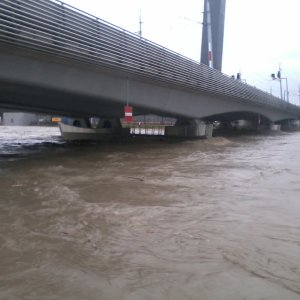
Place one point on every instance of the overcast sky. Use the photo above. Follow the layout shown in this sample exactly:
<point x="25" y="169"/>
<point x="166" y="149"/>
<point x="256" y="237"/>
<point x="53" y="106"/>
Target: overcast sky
<point x="259" y="34"/>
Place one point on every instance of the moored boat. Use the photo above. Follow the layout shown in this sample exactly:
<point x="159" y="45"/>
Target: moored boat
<point x="80" y="129"/>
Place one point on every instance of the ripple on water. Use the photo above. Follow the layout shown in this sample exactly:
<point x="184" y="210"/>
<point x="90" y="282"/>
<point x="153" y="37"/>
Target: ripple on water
<point x="213" y="219"/>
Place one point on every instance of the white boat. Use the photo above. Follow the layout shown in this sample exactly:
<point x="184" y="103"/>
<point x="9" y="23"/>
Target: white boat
<point x="78" y="130"/>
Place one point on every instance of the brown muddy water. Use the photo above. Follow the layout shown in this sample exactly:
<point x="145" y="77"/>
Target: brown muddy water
<point x="202" y="219"/>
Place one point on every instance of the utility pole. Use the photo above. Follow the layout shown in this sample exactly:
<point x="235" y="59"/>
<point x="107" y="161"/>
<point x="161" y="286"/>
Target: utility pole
<point x="140" y="24"/>
<point x="287" y="89"/>
<point x="279" y="77"/>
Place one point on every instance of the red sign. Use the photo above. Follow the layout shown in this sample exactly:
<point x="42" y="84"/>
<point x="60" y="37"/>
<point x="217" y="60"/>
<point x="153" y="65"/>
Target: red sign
<point x="128" y="114"/>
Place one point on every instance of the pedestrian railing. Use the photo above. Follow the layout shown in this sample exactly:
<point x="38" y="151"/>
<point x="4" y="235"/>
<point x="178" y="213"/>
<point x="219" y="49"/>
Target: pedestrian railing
<point x="56" y="28"/>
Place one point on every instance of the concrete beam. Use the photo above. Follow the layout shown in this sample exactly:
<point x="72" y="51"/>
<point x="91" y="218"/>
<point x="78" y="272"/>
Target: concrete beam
<point x="40" y="82"/>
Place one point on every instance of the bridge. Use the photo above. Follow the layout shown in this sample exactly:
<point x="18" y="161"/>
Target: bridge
<point x="57" y="59"/>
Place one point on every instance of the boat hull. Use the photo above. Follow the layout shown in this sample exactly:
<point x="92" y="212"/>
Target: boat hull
<point x="70" y="132"/>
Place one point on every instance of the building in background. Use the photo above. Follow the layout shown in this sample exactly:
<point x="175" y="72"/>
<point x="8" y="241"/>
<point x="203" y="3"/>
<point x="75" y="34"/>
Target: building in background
<point x="19" y="119"/>
<point x="24" y="119"/>
<point x="217" y="19"/>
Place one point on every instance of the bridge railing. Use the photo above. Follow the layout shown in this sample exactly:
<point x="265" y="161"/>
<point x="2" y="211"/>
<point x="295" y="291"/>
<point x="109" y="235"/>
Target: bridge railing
<point x="59" y="29"/>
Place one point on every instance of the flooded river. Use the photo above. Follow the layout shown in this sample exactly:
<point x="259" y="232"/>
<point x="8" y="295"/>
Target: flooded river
<point x="149" y="219"/>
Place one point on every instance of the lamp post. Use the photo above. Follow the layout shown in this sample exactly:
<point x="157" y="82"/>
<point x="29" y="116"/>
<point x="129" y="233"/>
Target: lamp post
<point x="287" y="88"/>
<point x="280" y="81"/>
<point x="279" y="77"/>
<point x="140" y="24"/>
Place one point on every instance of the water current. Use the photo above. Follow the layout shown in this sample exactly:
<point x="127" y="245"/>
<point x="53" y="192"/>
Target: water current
<point x="149" y="219"/>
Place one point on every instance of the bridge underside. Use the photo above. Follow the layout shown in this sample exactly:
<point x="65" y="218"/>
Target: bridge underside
<point x="46" y="100"/>
<point x="57" y="59"/>
<point x="238" y="115"/>
<point x="31" y="81"/>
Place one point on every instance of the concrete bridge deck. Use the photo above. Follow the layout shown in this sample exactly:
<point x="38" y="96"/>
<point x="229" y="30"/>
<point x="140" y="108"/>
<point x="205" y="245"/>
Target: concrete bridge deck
<point x="55" y="58"/>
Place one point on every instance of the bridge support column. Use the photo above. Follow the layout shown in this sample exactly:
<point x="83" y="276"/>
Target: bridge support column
<point x="191" y="129"/>
<point x="290" y="125"/>
<point x="275" y="127"/>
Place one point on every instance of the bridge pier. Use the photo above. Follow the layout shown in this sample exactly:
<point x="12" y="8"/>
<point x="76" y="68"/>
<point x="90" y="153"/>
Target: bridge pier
<point x="290" y="125"/>
<point x="275" y="127"/>
<point x="195" y="128"/>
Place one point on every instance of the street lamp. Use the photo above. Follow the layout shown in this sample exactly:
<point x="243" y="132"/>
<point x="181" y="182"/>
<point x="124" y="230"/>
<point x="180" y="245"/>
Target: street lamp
<point x="287" y="89"/>
<point x="280" y="81"/>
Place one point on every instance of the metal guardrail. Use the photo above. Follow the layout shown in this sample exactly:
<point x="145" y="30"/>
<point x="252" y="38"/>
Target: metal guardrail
<point x="54" y="27"/>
